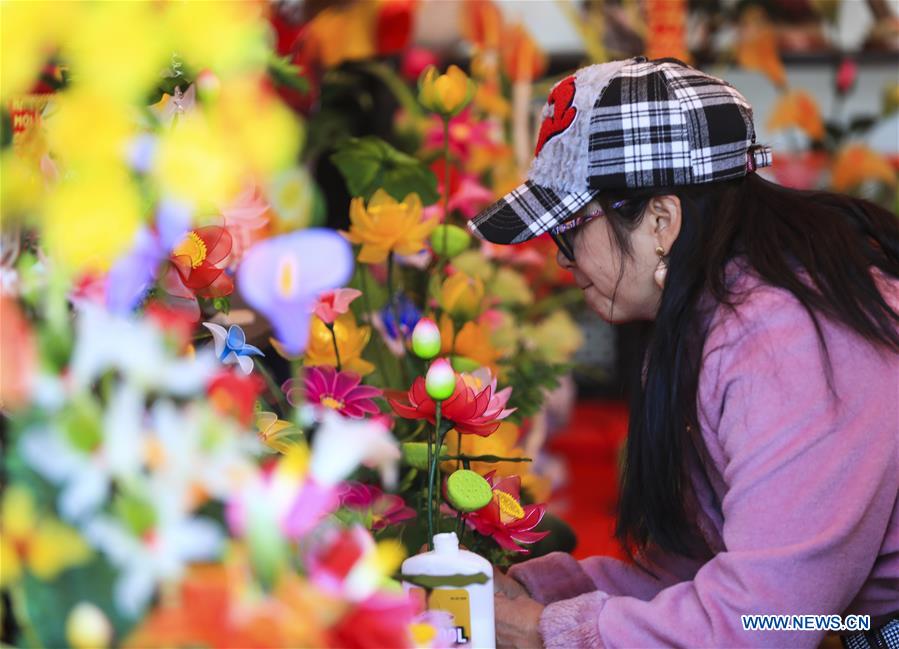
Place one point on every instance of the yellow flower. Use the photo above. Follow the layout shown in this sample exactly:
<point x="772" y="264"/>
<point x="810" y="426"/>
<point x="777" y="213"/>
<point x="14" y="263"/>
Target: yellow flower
<point x="798" y="109"/>
<point x="28" y="31"/>
<point x="387" y="225"/>
<point x="276" y="433"/>
<point x="90" y="220"/>
<point x="43" y="545"/>
<point x="504" y="443"/>
<point x="461" y="295"/>
<point x="856" y="163"/>
<point x="351" y="341"/>
<point x="472" y="341"/>
<point x="511" y="287"/>
<point x="557" y="337"/>
<point x="80" y="112"/>
<point x="445" y="94"/>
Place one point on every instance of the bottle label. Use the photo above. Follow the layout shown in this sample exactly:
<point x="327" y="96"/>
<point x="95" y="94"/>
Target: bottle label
<point x="454" y="601"/>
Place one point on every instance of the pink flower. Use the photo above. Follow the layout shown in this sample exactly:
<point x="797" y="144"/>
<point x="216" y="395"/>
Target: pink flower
<point x="470" y="197"/>
<point x="414" y="62"/>
<point x="465" y="133"/>
<point x="504" y="519"/>
<point x="847" y="74"/>
<point x="385" y="509"/>
<point x="339" y="391"/>
<point x="334" y="303"/>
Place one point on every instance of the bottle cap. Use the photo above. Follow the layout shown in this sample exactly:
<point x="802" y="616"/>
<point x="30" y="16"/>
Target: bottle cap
<point x="446" y="543"/>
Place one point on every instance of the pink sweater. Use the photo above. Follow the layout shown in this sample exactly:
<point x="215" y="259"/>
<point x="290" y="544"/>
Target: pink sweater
<point x="808" y="487"/>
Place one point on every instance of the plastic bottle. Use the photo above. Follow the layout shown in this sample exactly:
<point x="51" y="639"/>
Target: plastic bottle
<point x="471" y="605"/>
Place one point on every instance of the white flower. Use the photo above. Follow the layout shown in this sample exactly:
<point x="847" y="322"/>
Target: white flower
<point x="342" y="444"/>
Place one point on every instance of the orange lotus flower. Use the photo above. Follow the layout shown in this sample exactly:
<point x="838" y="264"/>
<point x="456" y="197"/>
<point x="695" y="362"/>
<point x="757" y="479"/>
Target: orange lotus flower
<point x="856" y="163"/>
<point x="798" y="109"/>
<point x="523" y="60"/>
<point x="757" y="46"/>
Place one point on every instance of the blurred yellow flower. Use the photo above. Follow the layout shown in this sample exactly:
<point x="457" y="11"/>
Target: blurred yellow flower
<point x="41" y="545"/>
<point x="387" y="225"/>
<point x="471" y="341"/>
<point x="351" y="341"/>
<point x="28" y="32"/>
<point x="91" y="219"/>
<point x="504" y="443"/>
<point x="856" y="163"/>
<point x="557" y="337"/>
<point x="88" y="127"/>
<point x="195" y="163"/>
<point x="276" y="433"/>
<point x="355" y="22"/>
<point x="461" y="295"/>
<point x="798" y="109"/>
<point x="511" y="287"/>
<point x="523" y="60"/>
<point x="445" y="94"/>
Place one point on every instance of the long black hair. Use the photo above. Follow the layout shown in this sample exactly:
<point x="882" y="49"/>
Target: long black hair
<point x="782" y="233"/>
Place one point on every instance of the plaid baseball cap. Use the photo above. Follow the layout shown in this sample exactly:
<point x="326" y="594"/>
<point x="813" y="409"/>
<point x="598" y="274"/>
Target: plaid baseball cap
<point x="623" y="125"/>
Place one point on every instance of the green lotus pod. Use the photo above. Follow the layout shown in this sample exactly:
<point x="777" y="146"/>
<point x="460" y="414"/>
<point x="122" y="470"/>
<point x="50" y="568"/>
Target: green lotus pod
<point x="468" y="491"/>
<point x="415" y="454"/>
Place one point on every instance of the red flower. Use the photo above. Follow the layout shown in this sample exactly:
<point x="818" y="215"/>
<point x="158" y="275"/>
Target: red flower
<point x="380" y="621"/>
<point x="201" y="259"/>
<point x="235" y="395"/>
<point x="339" y="391"/>
<point x="504" y="519"/>
<point x="471" y="409"/>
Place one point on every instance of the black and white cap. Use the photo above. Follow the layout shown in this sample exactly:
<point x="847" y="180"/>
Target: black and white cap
<point x="625" y="125"/>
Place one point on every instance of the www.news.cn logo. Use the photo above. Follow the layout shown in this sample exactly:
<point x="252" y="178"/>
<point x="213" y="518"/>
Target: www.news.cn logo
<point x="806" y="623"/>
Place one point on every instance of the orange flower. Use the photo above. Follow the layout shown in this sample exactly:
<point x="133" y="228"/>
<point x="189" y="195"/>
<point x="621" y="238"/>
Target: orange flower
<point x="757" y="46"/>
<point x="472" y="341"/>
<point x="798" y="109"/>
<point x="351" y="341"/>
<point x="856" y="163"/>
<point x="482" y="23"/>
<point x="387" y="225"/>
<point x="523" y="60"/>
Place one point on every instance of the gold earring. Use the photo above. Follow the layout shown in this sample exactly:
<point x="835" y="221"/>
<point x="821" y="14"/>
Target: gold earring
<point x="661" y="271"/>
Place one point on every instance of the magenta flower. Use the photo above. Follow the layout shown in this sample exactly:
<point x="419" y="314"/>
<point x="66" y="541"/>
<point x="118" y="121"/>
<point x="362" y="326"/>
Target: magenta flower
<point x="340" y="391"/>
<point x="383" y="508"/>
<point x="334" y="303"/>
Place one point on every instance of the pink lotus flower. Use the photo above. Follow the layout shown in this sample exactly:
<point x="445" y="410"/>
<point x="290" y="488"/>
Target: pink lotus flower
<point x="334" y="303"/>
<point x="504" y="519"/>
<point x="339" y="391"/>
<point x="475" y="407"/>
<point x="385" y="509"/>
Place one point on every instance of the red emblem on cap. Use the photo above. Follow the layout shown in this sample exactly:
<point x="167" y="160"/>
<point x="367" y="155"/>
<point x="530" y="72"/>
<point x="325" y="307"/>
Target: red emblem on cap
<point x="563" y="113"/>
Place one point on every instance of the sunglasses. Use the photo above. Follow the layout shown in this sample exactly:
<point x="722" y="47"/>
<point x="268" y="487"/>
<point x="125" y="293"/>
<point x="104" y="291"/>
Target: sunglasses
<point x="564" y="233"/>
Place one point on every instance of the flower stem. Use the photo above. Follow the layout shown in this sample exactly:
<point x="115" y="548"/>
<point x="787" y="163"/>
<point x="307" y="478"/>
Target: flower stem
<point x="20" y="609"/>
<point x="273" y="388"/>
<point x="334" y="340"/>
<point x="432" y="464"/>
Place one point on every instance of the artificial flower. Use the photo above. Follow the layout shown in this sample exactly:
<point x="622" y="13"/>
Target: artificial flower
<point x="504" y="519"/>
<point x="334" y="303"/>
<point x="382" y="620"/>
<point x="446" y="94"/>
<point x="169" y="107"/>
<point x="341" y="445"/>
<point x="857" y="163"/>
<point x="846" y="76"/>
<point x="201" y="259"/>
<point x="482" y="24"/>
<point x="351" y="341"/>
<point x="757" y="46"/>
<point x="19" y="351"/>
<point x="231" y="346"/>
<point x="41" y="544"/>
<point x="797" y="109"/>
<point x="472" y="341"/>
<point x="276" y="433"/>
<point x="557" y="337"/>
<point x="522" y="58"/>
<point x="380" y="509"/>
<point x="440" y="381"/>
<point x="461" y="295"/>
<point x="235" y="395"/>
<point x="465" y="133"/>
<point x="470" y="197"/>
<point x="292" y="195"/>
<point x="387" y="226"/>
<point x="340" y="391"/>
<point x="406" y="312"/>
<point x="511" y="288"/>
<point x="426" y="339"/>
<point x="87" y="627"/>
<point x="282" y="277"/>
<point x="414" y="62"/>
<point x="245" y="217"/>
<point x="475" y="406"/>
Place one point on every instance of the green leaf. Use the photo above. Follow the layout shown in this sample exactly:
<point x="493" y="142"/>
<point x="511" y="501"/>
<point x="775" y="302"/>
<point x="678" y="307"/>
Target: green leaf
<point x="287" y="74"/>
<point x="369" y="163"/>
<point x="453" y="581"/>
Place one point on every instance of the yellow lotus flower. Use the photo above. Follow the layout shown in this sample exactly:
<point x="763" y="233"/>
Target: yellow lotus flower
<point x="471" y="341"/>
<point x="798" y="109"/>
<point x="42" y="545"/>
<point x="388" y="225"/>
<point x="856" y="164"/>
<point x="504" y="443"/>
<point x="445" y="94"/>
<point x="351" y="341"/>
<point x="461" y="295"/>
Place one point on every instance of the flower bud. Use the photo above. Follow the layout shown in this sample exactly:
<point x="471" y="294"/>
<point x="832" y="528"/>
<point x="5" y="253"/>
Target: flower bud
<point x="449" y="240"/>
<point x="426" y="339"/>
<point x="468" y="491"/>
<point x="461" y="295"/>
<point x="445" y="94"/>
<point x="440" y="381"/>
<point x="87" y="627"/>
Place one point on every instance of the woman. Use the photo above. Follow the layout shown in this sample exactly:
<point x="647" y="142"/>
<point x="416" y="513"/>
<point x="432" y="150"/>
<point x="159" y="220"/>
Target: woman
<point x="762" y="464"/>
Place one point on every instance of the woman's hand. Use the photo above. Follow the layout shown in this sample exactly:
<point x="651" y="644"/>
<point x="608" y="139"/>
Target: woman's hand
<point x="517" y="622"/>
<point x="504" y="584"/>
